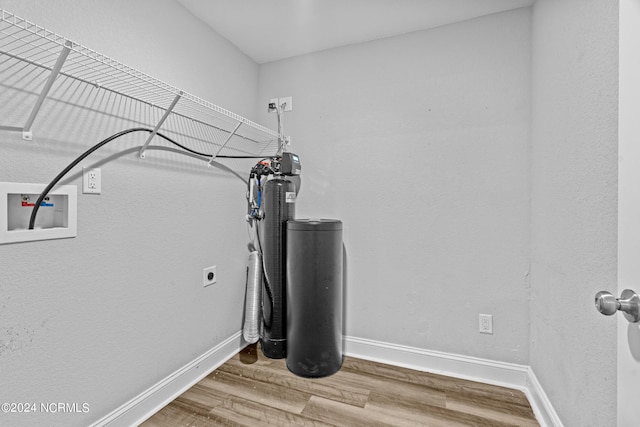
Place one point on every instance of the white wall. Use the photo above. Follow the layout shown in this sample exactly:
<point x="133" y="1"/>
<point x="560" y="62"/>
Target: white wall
<point x="628" y="208"/>
<point x="574" y="206"/>
<point x="102" y="317"/>
<point x="420" y="144"/>
<point x="160" y="38"/>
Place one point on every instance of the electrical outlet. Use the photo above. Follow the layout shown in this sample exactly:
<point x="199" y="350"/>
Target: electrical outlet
<point x="278" y="102"/>
<point x="91" y="181"/>
<point x="288" y="103"/>
<point x="486" y="324"/>
<point x="209" y="276"/>
<point x="274" y="102"/>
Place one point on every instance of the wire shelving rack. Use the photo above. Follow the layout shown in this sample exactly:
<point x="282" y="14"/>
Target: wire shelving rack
<point x="36" y="63"/>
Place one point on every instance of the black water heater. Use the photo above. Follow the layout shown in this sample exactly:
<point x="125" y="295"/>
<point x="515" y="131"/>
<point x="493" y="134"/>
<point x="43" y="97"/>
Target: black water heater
<point x="279" y="196"/>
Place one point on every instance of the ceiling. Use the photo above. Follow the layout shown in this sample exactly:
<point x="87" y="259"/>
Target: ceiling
<point x="269" y="30"/>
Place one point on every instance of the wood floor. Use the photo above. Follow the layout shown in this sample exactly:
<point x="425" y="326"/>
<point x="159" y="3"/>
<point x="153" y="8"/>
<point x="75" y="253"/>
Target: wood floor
<point x="251" y="390"/>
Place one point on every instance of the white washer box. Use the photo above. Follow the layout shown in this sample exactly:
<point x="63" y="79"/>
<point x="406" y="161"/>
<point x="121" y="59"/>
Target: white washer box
<point x="57" y="219"/>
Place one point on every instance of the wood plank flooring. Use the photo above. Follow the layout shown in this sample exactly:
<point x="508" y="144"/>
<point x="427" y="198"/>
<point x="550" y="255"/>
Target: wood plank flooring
<point x="251" y="390"/>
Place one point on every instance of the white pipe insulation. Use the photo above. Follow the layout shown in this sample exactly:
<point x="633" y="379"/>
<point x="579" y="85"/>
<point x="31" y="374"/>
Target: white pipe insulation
<point x="253" y="298"/>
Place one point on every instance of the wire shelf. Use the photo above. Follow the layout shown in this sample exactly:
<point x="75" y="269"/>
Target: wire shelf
<point x="38" y="64"/>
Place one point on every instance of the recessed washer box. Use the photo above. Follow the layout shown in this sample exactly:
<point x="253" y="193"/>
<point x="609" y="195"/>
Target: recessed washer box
<point x="57" y="216"/>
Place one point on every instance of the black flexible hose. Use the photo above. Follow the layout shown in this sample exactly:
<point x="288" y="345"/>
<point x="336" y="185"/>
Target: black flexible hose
<point x="66" y="170"/>
<point x="204" y="154"/>
<point x="105" y="141"/>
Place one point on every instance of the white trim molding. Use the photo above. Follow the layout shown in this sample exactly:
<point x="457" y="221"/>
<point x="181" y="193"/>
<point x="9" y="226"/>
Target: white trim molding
<point x="511" y="375"/>
<point x="540" y="402"/>
<point x="141" y="407"/>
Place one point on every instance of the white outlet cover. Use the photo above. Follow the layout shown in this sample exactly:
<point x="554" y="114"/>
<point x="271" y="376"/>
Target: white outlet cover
<point x="208" y="280"/>
<point x="485" y="324"/>
<point x="91" y="181"/>
<point x="288" y="103"/>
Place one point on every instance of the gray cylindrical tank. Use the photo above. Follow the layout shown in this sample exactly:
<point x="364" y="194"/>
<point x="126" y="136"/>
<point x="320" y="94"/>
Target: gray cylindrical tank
<point x="314" y="297"/>
<point x="279" y="207"/>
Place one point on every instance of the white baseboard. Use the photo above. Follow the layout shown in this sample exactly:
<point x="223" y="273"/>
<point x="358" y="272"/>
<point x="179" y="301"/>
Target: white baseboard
<point x="510" y="375"/>
<point x="141" y="407"/>
<point x="542" y="407"/>
<point x="503" y="374"/>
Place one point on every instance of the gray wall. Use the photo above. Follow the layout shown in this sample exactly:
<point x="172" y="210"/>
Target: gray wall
<point x="574" y="205"/>
<point x="420" y="144"/>
<point x="102" y="317"/>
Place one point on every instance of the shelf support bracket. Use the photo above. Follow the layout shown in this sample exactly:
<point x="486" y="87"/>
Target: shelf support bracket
<point x="225" y="143"/>
<point x="160" y="123"/>
<point x="26" y="131"/>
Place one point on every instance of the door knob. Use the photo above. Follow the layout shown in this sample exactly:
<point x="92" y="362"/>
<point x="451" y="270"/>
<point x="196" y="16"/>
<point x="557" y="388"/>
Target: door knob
<point x="628" y="303"/>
